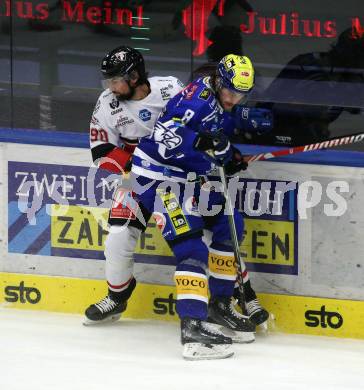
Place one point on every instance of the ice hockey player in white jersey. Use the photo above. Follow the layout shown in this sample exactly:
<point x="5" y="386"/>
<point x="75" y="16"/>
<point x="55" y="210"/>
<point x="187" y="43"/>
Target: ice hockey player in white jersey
<point x="124" y="113"/>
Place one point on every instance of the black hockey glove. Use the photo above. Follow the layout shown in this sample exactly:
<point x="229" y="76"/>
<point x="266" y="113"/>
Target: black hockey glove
<point x="216" y="147"/>
<point x="236" y="163"/>
<point x="128" y="164"/>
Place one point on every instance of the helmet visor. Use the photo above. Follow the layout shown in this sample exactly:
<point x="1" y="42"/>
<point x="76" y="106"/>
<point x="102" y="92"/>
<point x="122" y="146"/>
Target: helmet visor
<point x="229" y="98"/>
<point x="233" y="96"/>
<point x="112" y="81"/>
<point x="239" y="97"/>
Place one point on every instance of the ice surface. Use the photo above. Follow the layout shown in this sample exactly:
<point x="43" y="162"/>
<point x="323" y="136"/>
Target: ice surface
<point x="47" y="351"/>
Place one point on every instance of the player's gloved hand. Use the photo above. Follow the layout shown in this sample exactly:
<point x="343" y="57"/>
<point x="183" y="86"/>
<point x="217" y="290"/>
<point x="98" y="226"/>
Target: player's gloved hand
<point x="216" y="147"/>
<point x="236" y="163"/>
<point x="252" y="120"/>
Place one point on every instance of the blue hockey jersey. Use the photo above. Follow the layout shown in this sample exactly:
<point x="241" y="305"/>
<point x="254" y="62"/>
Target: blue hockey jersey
<point x="168" y="153"/>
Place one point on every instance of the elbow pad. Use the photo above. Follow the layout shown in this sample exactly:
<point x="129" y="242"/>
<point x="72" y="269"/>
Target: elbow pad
<point x="111" y="158"/>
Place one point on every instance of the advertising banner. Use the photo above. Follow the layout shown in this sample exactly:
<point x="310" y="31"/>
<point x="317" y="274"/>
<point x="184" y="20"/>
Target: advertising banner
<point x="289" y="314"/>
<point x="62" y="210"/>
<point x="302" y="232"/>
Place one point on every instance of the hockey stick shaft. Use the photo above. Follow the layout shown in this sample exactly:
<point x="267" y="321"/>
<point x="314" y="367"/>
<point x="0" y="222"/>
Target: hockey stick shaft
<point x="234" y="236"/>
<point x="347" y="140"/>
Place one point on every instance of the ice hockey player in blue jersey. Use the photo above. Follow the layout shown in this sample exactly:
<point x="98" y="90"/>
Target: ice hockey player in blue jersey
<point x="172" y="171"/>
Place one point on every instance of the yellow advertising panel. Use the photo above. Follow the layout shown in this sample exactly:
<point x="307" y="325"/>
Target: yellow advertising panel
<point x="269" y="242"/>
<point x="266" y="242"/>
<point x="152" y="243"/>
<point x="78" y="227"/>
<point x="291" y="314"/>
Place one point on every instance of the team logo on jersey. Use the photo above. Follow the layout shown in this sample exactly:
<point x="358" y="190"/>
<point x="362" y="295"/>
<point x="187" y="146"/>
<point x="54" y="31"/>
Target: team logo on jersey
<point x="204" y="95"/>
<point x="167" y="138"/>
<point x="145" y="115"/>
<point x="190" y="91"/>
<point x="114" y="104"/>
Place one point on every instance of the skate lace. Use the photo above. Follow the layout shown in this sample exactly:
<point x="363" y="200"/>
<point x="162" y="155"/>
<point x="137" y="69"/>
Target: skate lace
<point x="106" y="304"/>
<point x="211" y="328"/>
<point x="253" y="306"/>
<point x="233" y="311"/>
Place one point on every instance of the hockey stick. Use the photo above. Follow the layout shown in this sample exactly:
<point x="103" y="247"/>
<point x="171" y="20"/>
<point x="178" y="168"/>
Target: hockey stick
<point x="234" y="237"/>
<point x="346" y="140"/>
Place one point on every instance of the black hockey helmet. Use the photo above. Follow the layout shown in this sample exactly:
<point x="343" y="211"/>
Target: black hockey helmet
<point x="122" y="61"/>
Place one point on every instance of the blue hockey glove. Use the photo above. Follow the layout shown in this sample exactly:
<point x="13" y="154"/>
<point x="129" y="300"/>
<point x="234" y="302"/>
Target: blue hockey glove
<point x="253" y="120"/>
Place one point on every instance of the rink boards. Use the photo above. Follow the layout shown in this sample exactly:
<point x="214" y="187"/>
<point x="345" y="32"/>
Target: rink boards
<point x="289" y="314"/>
<point x="52" y="257"/>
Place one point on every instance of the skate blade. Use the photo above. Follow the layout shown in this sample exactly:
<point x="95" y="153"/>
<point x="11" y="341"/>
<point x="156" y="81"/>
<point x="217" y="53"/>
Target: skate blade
<point x="267" y="326"/>
<point x="236" y="336"/>
<point x="263" y="327"/>
<point x="259" y="317"/>
<point x="108" y="320"/>
<point x="199" y="351"/>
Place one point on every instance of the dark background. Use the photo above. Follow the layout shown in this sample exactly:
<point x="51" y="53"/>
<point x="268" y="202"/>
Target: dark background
<point x="49" y="69"/>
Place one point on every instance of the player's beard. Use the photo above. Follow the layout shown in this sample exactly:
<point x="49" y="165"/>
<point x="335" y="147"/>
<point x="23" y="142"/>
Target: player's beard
<point x="126" y="96"/>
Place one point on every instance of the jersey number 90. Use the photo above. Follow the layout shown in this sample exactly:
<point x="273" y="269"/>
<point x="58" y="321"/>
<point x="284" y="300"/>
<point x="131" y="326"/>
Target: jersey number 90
<point x="98" y="135"/>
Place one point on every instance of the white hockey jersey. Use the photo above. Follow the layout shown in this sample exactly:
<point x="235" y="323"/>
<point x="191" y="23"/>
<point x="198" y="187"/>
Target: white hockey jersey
<point x="115" y="121"/>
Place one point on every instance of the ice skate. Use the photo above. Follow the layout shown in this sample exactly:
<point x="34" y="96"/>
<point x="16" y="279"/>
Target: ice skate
<point x="224" y="317"/>
<point x="257" y="314"/>
<point x="201" y="341"/>
<point x="107" y="310"/>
